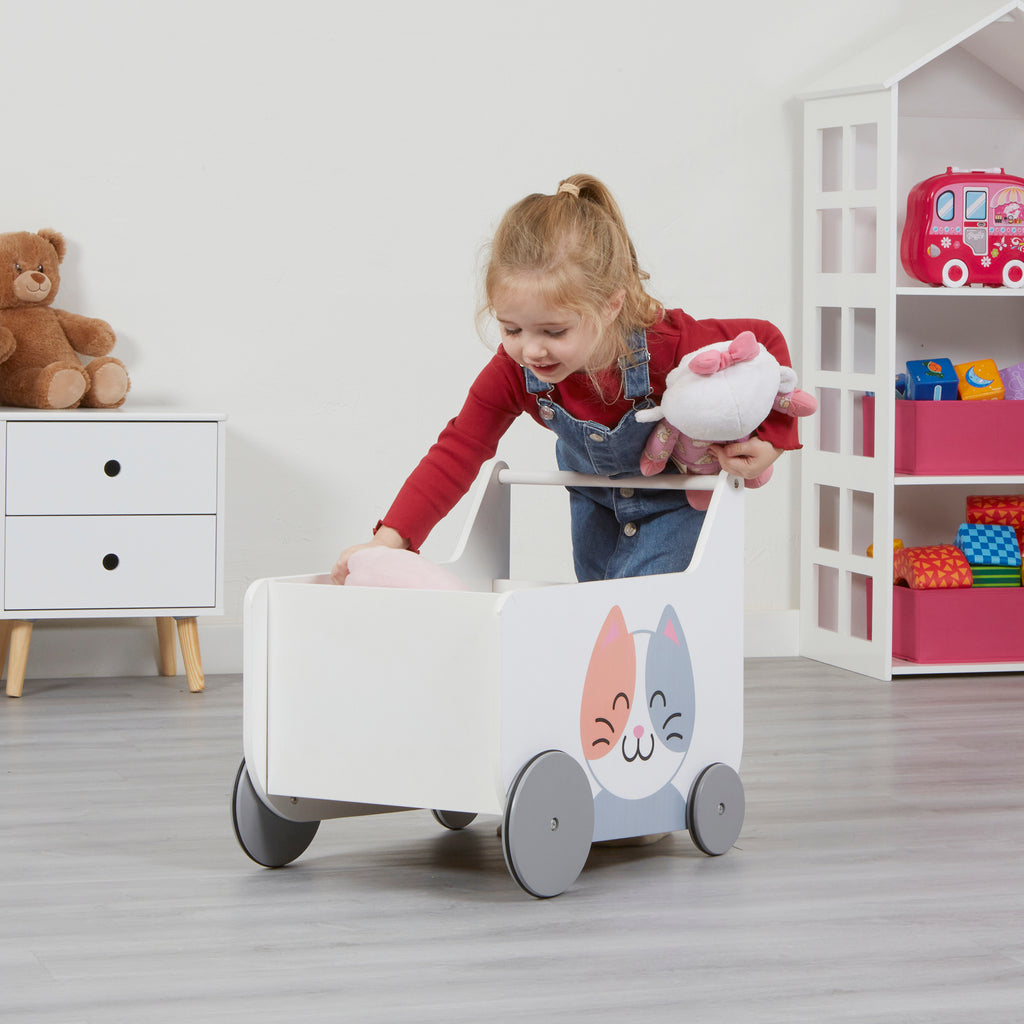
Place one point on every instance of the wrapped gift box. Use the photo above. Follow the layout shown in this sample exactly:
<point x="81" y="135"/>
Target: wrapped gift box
<point x="996" y="575"/>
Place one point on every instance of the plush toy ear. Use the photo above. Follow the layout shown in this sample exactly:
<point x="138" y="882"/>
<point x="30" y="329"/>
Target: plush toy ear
<point x="56" y="239"/>
<point x="787" y="379"/>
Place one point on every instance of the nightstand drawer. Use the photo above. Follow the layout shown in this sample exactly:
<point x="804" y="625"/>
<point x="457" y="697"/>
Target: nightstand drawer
<point x="104" y="468"/>
<point x="107" y="562"/>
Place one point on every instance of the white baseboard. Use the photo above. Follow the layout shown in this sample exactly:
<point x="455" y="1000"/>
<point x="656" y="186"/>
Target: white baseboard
<point x="68" y="649"/>
<point x="771" y="634"/>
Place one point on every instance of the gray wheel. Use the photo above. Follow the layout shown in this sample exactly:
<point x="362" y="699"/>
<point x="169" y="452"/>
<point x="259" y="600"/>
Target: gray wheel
<point x="266" y="837"/>
<point x="716" y="808"/>
<point x="548" y="825"/>
<point x="453" y="819"/>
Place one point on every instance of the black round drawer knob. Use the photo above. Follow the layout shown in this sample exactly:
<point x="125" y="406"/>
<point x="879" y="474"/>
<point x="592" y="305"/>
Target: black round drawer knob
<point x="111" y="562"/>
<point x="112" y="468"/>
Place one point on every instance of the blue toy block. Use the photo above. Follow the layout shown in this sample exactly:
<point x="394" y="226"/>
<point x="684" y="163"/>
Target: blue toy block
<point x="931" y="380"/>
<point x="988" y="544"/>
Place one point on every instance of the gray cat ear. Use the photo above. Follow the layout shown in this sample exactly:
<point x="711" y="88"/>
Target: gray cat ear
<point x="670" y="626"/>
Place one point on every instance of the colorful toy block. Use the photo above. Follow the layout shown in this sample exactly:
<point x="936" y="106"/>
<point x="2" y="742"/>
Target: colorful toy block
<point x="979" y="380"/>
<point x="931" y="380"/>
<point x="939" y="567"/>
<point x="988" y="544"/>
<point x="1001" y="509"/>
<point x="1013" y="382"/>
<point x="996" y="575"/>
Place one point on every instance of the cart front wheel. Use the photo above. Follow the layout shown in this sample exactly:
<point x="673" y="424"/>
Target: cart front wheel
<point x="548" y="825"/>
<point x="716" y="808"/>
<point x="266" y="837"/>
<point x="453" y="819"/>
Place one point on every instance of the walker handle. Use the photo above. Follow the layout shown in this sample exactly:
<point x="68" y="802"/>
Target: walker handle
<point x="670" y="482"/>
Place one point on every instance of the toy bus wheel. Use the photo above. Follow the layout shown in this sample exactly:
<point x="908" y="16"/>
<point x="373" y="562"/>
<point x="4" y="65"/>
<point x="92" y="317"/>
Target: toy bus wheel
<point x="266" y="837"/>
<point x="548" y="825"/>
<point x="715" y="810"/>
<point x="1013" y="274"/>
<point x="954" y="274"/>
<point x="453" y="819"/>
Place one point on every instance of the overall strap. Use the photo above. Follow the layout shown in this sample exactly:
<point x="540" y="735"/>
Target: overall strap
<point x="635" y="377"/>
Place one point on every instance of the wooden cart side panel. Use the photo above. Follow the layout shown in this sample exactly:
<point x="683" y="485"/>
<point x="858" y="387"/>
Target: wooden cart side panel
<point x="384" y="696"/>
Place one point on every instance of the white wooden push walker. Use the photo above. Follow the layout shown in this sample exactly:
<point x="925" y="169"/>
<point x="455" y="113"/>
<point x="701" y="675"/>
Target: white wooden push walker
<point x="508" y="699"/>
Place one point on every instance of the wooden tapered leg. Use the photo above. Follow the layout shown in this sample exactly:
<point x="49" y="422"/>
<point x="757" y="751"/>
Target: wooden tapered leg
<point x="6" y="625"/>
<point x="188" y="637"/>
<point x="20" y="638"/>
<point x="168" y="659"/>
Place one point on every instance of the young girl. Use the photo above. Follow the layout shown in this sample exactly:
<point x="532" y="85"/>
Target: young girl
<point x="584" y="348"/>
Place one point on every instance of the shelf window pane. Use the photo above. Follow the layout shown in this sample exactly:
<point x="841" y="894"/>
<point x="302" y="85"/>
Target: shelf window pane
<point x="828" y="418"/>
<point x="831" y="159"/>
<point x="864" y="340"/>
<point x="862" y="518"/>
<point x="859" y="447"/>
<point x="828" y="517"/>
<point x="830" y="241"/>
<point x="828" y="597"/>
<point x="830" y="338"/>
<point x="859" y="611"/>
<point x="865" y="156"/>
<point x="865" y="239"/>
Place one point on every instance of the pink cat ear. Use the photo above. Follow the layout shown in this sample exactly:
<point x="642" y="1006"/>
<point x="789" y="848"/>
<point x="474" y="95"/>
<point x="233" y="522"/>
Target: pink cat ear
<point x="614" y="627"/>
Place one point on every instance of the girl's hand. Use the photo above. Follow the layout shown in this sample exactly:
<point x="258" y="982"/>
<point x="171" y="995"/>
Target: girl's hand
<point x="384" y="537"/>
<point x="747" y="459"/>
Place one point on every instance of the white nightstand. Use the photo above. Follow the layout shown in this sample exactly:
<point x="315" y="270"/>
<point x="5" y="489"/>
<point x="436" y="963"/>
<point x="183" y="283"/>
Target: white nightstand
<point x="114" y="513"/>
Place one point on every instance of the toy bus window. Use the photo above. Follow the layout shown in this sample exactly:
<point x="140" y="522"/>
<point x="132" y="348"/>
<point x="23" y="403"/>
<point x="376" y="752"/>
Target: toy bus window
<point x="975" y="204"/>
<point x="945" y="206"/>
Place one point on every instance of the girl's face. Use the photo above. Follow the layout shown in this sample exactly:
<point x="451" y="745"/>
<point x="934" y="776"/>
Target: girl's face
<point x="551" y="342"/>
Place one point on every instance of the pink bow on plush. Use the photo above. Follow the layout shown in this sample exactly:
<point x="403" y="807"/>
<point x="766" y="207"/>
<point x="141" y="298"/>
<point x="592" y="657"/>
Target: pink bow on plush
<point x="741" y="348"/>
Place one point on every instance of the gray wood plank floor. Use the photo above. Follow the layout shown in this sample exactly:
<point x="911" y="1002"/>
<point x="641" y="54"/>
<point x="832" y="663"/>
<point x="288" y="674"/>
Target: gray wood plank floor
<point x="878" y="878"/>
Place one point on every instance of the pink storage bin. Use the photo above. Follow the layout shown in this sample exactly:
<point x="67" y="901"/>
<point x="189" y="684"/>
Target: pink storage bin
<point x="953" y="438"/>
<point x="970" y="624"/>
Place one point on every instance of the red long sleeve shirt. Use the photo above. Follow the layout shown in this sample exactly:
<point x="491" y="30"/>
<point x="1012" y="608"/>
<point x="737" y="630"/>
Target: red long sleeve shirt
<point x="499" y="395"/>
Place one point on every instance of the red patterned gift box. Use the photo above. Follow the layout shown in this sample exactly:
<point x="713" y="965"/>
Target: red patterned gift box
<point x="1001" y="509"/>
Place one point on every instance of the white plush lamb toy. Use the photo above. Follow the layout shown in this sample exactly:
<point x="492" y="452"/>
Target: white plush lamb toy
<point x="719" y="394"/>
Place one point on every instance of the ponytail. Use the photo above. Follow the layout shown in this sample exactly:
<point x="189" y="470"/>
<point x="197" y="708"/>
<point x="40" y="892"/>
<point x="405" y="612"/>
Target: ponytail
<point x="576" y="246"/>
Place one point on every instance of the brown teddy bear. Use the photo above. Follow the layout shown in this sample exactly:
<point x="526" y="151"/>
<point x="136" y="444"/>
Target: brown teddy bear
<point x="38" y="365"/>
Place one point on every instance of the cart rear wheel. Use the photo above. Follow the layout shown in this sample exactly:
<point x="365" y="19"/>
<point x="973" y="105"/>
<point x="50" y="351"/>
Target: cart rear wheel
<point x="716" y="808"/>
<point x="266" y="837"/>
<point x="548" y="825"/>
<point x="453" y="819"/>
<point x="1013" y="274"/>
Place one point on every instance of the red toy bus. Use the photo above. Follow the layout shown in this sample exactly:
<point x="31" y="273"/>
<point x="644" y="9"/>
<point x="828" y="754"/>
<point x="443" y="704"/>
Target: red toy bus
<point x="966" y="227"/>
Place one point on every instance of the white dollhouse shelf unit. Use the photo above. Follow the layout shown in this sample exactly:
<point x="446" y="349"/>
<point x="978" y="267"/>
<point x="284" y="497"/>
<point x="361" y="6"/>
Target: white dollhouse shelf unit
<point x="944" y="90"/>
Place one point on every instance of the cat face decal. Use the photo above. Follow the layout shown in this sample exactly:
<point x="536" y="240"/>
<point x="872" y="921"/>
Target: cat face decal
<point x="636" y="718"/>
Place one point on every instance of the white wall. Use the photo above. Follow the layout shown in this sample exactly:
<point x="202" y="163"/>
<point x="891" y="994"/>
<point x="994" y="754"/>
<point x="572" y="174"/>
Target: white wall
<point x="277" y="205"/>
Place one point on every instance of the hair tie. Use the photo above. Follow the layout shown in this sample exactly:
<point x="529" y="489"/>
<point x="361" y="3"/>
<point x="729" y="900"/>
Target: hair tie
<point x="568" y="186"/>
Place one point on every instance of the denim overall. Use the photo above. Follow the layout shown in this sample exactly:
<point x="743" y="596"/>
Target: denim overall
<point x="619" y="532"/>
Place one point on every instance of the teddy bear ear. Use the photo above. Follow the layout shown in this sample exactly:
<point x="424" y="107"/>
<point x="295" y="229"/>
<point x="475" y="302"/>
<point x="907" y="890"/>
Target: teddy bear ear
<point x="56" y="239"/>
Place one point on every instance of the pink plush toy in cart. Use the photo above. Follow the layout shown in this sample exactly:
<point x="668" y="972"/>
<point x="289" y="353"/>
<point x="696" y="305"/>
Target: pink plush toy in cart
<point x="719" y="394"/>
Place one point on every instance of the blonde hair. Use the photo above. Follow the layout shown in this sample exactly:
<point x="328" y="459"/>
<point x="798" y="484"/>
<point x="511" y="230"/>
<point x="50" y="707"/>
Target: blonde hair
<point x="575" y="246"/>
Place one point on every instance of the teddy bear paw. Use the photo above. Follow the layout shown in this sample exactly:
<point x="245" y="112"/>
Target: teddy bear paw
<point x="65" y="389"/>
<point x="109" y="384"/>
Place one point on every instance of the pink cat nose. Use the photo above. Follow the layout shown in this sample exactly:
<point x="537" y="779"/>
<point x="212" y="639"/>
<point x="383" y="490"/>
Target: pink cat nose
<point x="638" y="731"/>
